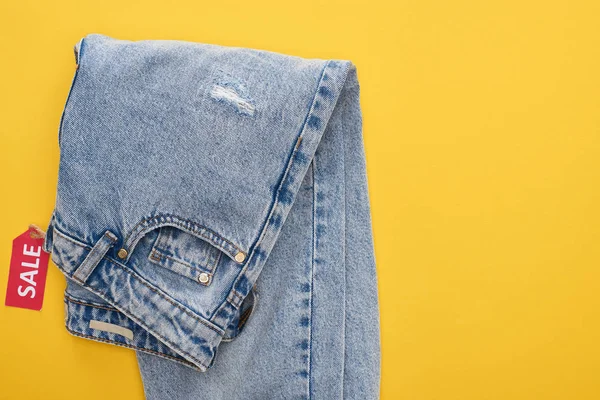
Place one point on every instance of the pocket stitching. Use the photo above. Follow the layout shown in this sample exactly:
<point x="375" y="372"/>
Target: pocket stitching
<point x="163" y="258"/>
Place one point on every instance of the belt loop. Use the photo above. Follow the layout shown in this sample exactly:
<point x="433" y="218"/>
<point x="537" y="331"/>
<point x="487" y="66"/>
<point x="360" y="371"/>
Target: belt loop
<point x="94" y="256"/>
<point x="235" y="298"/>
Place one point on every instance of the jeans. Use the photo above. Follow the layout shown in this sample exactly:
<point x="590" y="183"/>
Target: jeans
<point x="212" y="214"/>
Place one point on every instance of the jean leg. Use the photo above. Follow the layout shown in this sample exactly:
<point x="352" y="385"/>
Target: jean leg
<point x="362" y="353"/>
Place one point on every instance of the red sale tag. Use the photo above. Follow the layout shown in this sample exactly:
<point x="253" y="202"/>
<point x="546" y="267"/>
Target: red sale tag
<point x="28" y="268"/>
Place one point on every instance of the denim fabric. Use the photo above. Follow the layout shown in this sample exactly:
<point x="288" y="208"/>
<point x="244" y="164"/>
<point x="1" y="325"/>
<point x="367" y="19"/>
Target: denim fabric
<point x="212" y="213"/>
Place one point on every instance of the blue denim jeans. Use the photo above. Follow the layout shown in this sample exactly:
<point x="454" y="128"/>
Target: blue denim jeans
<point x="212" y="214"/>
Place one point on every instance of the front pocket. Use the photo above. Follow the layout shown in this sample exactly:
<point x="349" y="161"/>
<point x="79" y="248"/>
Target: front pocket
<point x="185" y="254"/>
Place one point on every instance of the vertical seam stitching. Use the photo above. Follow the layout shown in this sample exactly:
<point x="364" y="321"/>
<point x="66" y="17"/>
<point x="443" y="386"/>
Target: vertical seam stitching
<point x="312" y="275"/>
<point x="284" y="177"/>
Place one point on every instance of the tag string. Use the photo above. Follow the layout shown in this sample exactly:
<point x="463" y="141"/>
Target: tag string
<point x="36" y="232"/>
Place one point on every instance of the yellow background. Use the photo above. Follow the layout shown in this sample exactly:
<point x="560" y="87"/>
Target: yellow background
<point x="482" y="130"/>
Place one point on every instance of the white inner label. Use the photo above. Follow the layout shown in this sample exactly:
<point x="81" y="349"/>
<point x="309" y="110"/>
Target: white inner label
<point x="105" y="326"/>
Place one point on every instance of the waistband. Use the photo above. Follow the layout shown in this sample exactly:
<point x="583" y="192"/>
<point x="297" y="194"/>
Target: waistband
<point x="192" y="338"/>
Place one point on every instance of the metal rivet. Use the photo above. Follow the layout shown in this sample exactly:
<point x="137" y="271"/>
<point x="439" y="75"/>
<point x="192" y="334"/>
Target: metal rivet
<point x="240" y="257"/>
<point x="203" y="277"/>
<point x="122" y="253"/>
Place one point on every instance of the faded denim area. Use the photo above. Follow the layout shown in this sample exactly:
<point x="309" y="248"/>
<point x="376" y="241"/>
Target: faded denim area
<point x="212" y="213"/>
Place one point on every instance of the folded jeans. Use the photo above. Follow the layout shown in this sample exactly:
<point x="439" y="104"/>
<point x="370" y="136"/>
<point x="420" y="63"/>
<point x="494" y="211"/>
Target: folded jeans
<point x="214" y="199"/>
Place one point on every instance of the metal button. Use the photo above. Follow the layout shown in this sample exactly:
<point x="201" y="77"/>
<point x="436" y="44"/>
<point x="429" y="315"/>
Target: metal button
<point x="203" y="277"/>
<point x="122" y="253"/>
<point x="240" y="257"/>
